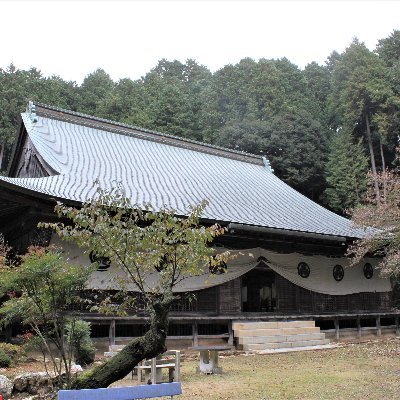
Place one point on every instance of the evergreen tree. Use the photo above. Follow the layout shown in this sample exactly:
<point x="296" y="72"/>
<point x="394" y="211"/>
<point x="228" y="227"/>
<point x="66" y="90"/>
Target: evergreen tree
<point x="95" y="87"/>
<point x="297" y="151"/>
<point x="388" y="119"/>
<point x="360" y="90"/>
<point x="247" y="136"/>
<point x="318" y="78"/>
<point x="388" y="49"/>
<point x="346" y="172"/>
<point x="294" y="143"/>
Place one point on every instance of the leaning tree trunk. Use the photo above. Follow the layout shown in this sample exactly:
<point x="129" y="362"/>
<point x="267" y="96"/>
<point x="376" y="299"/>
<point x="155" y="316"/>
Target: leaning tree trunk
<point x="147" y="346"/>
<point x="373" y="166"/>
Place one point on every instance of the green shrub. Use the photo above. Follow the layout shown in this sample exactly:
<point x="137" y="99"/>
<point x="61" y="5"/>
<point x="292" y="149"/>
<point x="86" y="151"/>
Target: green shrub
<point x="79" y="338"/>
<point x="12" y="350"/>
<point x="10" y="354"/>
<point x="5" y="359"/>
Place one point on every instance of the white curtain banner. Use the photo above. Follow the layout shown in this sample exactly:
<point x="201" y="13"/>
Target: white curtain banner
<point x="320" y="279"/>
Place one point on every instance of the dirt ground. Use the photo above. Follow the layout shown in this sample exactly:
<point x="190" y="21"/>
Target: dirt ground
<point x="354" y="371"/>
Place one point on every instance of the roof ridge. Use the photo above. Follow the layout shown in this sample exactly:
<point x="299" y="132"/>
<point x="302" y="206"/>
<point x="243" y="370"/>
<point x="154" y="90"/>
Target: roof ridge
<point x="164" y="137"/>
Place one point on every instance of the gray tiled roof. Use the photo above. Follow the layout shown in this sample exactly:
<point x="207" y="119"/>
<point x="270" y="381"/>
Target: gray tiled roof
<point x="150" y="171"/>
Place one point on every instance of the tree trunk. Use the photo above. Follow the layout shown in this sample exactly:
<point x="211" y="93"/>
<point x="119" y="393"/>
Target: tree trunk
<point x="148" y="346"/>
<point x="373" y="166"/>
<point x="383" y="168"/>
<point x="1" y="155"/>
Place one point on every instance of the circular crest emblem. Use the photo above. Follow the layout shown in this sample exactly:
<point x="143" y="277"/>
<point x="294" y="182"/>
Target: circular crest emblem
<point x="102" y="262"/>
<point x="338" y="272"/>
<point x="368" y="271"/>
<point x="303" y="270"/>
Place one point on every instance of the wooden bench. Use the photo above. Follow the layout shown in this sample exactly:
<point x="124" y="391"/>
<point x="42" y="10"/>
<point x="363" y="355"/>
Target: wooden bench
<point x="123" y="393"/>
<point x="153" y="368"/>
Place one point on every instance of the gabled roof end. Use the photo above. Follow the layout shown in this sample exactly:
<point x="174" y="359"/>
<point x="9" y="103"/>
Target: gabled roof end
<point x="31" y="111"/>
<point x="267" y="165"/>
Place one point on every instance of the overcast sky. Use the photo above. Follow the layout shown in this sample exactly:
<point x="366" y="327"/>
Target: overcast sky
<point x="127" y="38"/>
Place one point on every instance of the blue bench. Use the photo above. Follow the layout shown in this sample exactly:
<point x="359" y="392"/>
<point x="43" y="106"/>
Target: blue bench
<point x="123" y="393"/>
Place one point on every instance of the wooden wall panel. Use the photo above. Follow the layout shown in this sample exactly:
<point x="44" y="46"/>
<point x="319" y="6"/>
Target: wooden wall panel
<point x="207" y="299"/>
<point x="286" y="294"/>
<point x="294" y="299"/>
<point x="230" y="297"/>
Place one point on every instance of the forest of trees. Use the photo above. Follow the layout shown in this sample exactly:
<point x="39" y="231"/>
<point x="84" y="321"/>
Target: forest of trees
<point x="322" y="127"/>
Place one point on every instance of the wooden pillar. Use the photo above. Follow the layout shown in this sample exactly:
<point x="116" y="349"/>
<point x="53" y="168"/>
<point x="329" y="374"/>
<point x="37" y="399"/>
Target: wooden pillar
<point x="195" y="334"/>
<point x="313" y="302"/>
<point x="378" y="325"/>
<point x="297" y="298"/>
<point x="397" y="326"/>
<point x="230" y="330"/>
<point x="111" y="334"/>
<point x="359" y="327"/>
<point x="337" y="328"/>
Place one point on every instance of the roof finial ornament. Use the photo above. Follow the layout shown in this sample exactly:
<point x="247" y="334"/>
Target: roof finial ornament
<point x="268" y="165"/>
<point x="31" y="110"/>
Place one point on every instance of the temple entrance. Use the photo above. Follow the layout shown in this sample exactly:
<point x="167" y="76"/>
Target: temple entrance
<point x="259" y="290"/>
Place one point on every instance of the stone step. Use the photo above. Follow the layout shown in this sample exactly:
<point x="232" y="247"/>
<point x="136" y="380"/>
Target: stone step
<point x="280" y="338"/>
<point x="283" y="345"/>
<point x="292" y="349"/>
<point x="116" y="347"/>
<point x="272" y="325"/>
<point x="110" y="353"/>
<point x="277" y="331"/>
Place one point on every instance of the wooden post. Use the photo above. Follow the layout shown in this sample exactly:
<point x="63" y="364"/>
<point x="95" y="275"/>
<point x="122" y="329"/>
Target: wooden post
<point x="378" y="326"/>
<point x="111" y="334"/>
<point x="397" y="326"/>
<point x="177" y="366"/>
<point x="195" y="334"/>
<point x="337" y="328"/>
<point x="359" y="327"/>
<point x="140" y="372"/>
<point x="230" y="330"/>
<point x="153" y="371"/>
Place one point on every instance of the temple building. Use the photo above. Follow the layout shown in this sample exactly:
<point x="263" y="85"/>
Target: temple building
<point x="290" y="259"/>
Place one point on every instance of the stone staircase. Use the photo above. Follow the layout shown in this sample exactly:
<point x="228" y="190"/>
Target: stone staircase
<point x="256" y="336"/>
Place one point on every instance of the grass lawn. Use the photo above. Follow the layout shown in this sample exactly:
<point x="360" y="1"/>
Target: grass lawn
<point x="355" y="371"/>
<point x="358" y="371"/>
